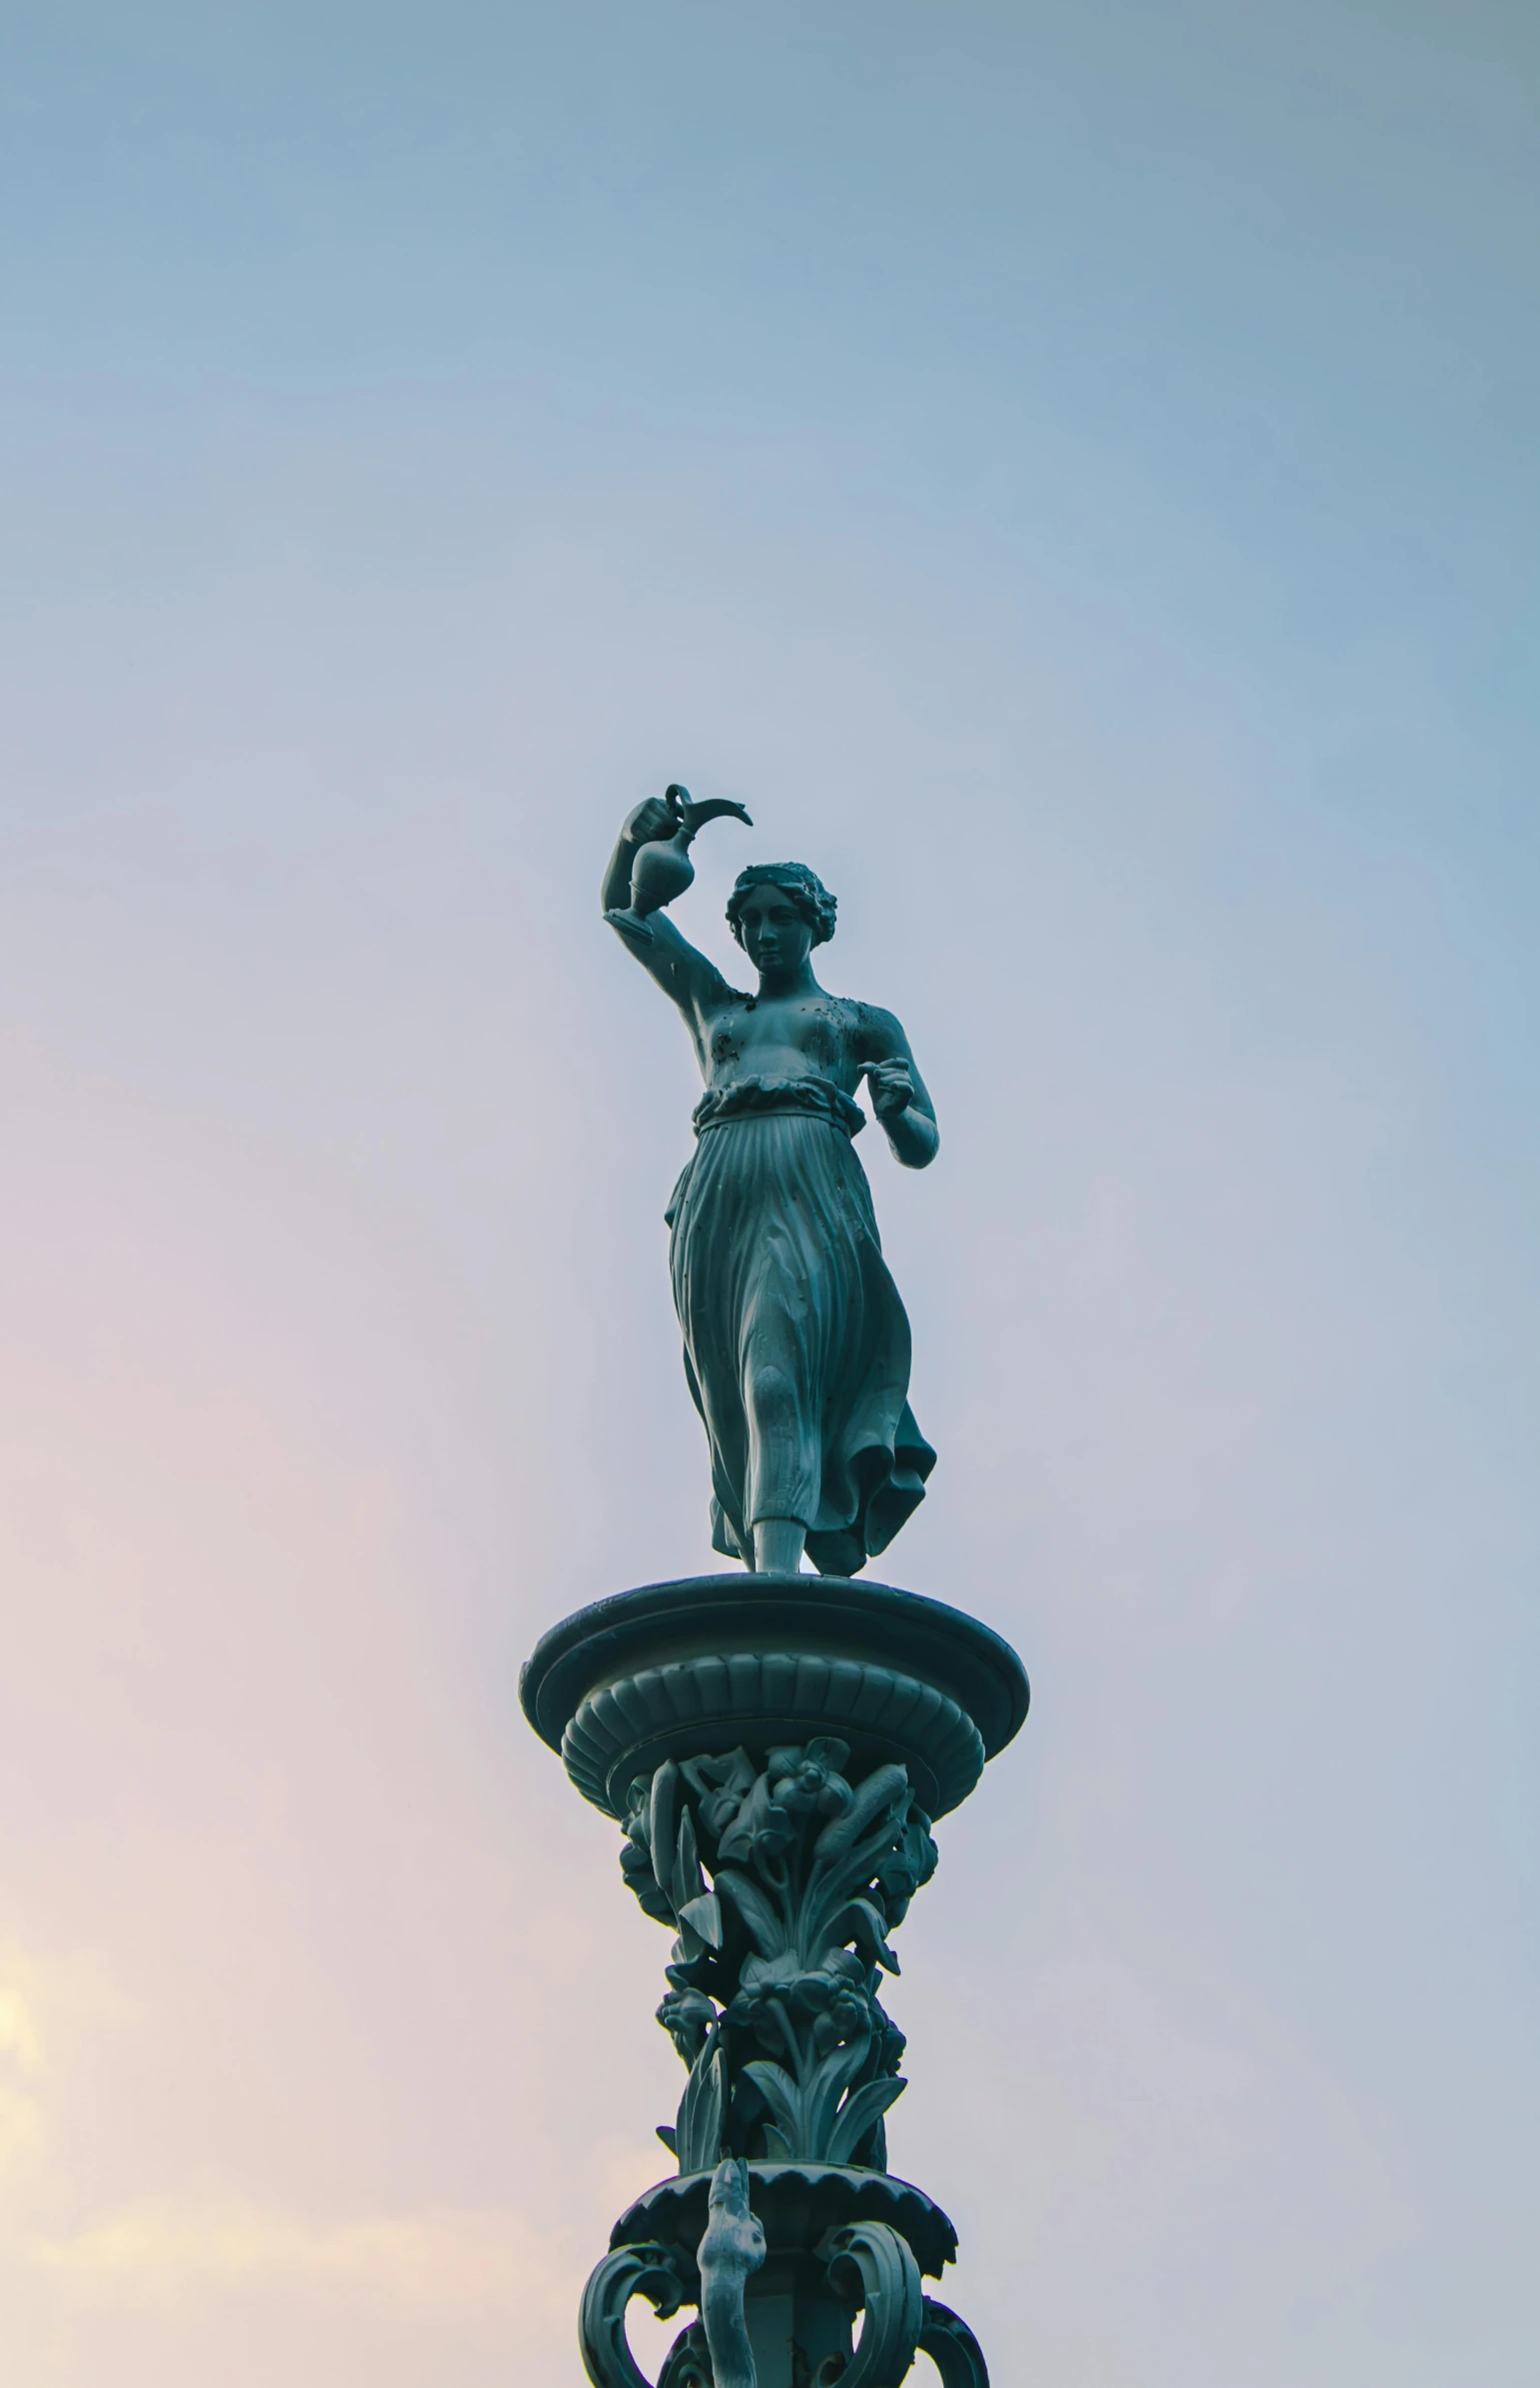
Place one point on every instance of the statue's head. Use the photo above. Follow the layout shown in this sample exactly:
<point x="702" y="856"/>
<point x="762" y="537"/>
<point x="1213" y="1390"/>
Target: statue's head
<point x="775" y="907"/>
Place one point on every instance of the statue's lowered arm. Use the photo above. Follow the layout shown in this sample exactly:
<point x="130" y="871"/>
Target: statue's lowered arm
<point x="900" y="1096"/>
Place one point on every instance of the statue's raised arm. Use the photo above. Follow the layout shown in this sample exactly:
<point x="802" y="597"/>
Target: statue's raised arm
<point x="796" y="1347"/>
<point x="650" y="864"/>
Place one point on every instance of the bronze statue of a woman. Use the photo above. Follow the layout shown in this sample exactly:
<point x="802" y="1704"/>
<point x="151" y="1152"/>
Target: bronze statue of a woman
<point x="796" y="1347"/>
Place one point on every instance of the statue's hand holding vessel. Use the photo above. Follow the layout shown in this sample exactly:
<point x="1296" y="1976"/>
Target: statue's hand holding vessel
<point x="662" y="867"/>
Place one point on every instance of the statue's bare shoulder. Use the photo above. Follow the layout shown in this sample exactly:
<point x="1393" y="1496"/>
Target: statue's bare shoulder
<point x="876" y="1035"/>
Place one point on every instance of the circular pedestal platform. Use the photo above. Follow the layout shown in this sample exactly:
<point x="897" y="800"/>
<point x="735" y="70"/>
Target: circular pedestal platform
<point x="673" y="1671"/>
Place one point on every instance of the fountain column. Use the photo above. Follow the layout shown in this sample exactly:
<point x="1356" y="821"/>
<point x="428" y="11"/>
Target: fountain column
<point x="776" y="1750"/>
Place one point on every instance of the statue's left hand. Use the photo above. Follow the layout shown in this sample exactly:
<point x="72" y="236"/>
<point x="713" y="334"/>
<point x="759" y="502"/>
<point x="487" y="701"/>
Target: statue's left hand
<point x="892" y="1089"/>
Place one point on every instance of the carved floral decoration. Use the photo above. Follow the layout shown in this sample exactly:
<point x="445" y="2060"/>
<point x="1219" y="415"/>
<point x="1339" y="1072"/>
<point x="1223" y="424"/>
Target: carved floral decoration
<point x="772" y="1982"/>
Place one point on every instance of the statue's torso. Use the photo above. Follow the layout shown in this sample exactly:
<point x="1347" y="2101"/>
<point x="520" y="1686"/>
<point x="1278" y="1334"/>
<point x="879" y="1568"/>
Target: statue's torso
<point x="815" y="1036"/>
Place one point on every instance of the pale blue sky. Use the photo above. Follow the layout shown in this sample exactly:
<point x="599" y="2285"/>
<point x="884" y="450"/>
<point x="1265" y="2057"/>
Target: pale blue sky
<point x="1073" y="475"/>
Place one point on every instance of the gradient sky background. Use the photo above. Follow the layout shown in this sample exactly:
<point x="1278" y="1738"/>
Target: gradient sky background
<point x="1072" y="472"/>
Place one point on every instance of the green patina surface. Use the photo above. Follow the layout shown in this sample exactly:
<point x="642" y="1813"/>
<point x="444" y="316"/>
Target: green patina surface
<point x="775" y="1747"/>
<point x="796" y="1346"/>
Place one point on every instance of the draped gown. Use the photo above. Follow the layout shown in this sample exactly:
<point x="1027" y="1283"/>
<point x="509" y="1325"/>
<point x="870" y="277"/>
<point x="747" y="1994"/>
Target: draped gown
<point x="796" y="1346"/>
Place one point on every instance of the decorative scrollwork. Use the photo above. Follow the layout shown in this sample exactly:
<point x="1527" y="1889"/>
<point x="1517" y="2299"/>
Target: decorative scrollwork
<point x="773" y="1981"/>
<point x="872" y="2266"/>
<point x="688" y="2363"/>
<point x="951" y="2347"/>
<point x="656" y="2273"/>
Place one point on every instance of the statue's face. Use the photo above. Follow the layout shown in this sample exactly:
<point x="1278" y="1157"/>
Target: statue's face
<point x="776" y="937"/>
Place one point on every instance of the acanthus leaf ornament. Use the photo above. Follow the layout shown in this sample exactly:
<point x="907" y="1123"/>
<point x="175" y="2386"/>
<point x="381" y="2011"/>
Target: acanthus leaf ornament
<point x="773" y="1981"/>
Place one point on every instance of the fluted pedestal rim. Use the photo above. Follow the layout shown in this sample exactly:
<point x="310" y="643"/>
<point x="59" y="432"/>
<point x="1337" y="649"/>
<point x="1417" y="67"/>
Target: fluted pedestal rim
<point x="706" y="1662"/>
<point x="796" y="2204"/>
